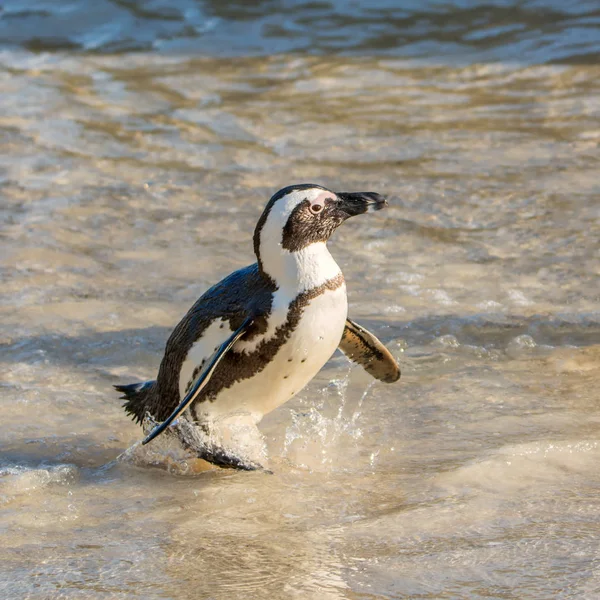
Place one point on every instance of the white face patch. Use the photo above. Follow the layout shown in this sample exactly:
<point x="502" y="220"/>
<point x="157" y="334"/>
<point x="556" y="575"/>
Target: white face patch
<point x="306" y="268"/>
<point x="272" y="231"/>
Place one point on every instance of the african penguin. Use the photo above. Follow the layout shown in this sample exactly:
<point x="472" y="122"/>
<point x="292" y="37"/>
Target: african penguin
<point x="256" y="338"/>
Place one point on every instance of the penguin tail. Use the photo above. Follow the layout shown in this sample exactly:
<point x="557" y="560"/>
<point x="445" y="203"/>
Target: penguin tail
<point x="136" y="396"/>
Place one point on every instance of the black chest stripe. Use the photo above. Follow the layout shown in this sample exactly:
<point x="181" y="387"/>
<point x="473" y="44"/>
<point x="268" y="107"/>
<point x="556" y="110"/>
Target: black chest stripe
<point x="204" y="376"/>
<point x="236" y="367"/>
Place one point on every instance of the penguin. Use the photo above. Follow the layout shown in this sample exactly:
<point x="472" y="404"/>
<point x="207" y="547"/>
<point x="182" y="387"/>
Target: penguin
<point x="255" y="339"/>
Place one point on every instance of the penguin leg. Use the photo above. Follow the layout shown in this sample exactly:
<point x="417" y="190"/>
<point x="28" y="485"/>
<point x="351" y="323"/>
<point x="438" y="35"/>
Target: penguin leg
<point x="190" y="435"/>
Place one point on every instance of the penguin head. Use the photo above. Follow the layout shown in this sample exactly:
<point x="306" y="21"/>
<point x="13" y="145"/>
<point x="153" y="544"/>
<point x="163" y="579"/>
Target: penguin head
<point x="300" y="215"/>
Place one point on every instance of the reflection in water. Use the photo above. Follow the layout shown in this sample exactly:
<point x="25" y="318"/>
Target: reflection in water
<point x="131" y="181"/>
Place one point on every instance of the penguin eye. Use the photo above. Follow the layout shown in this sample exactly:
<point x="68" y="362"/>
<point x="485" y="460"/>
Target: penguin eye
<point x="316" y="208"/>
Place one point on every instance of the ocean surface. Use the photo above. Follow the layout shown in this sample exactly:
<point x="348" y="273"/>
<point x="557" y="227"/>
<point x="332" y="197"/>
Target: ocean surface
<point x="139" y="143"/>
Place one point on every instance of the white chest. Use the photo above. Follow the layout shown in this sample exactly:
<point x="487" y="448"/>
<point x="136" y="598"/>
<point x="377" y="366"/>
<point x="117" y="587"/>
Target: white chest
<point x="310" y="344"/>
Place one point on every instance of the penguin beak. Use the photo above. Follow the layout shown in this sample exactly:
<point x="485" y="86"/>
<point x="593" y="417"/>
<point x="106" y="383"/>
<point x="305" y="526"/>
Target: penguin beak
<point x="357" y="203"/>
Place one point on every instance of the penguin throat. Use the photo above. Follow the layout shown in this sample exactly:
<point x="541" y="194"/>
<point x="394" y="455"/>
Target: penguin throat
<point x="302" y="270"/>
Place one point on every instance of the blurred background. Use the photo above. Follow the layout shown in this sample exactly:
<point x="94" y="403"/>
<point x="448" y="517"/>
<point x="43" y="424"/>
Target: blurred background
<point x="139" y="142"/>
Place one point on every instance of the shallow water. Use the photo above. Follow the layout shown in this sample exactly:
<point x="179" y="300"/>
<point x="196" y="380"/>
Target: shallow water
<point x="140" y="142"/>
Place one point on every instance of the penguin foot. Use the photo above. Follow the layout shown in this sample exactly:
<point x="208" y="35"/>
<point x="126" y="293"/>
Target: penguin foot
<point x="193" y="439"/>
<point x="227" y="460"/>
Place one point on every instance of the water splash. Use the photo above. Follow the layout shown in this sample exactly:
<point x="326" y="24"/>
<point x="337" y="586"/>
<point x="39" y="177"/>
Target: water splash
<point x="20" y="479"/>
<point x="178" y="448"/>
<point x="326" y="434"/>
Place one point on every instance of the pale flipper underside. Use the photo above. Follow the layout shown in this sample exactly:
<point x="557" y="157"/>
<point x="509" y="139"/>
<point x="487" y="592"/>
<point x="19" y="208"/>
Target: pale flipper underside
<point x="363" y="348"/>
<point x="202" y="379"/>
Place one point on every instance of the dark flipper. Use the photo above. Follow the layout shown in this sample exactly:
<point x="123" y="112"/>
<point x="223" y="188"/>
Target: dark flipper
<point x="363" y="348"/>
<point x="202" y="379"/>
